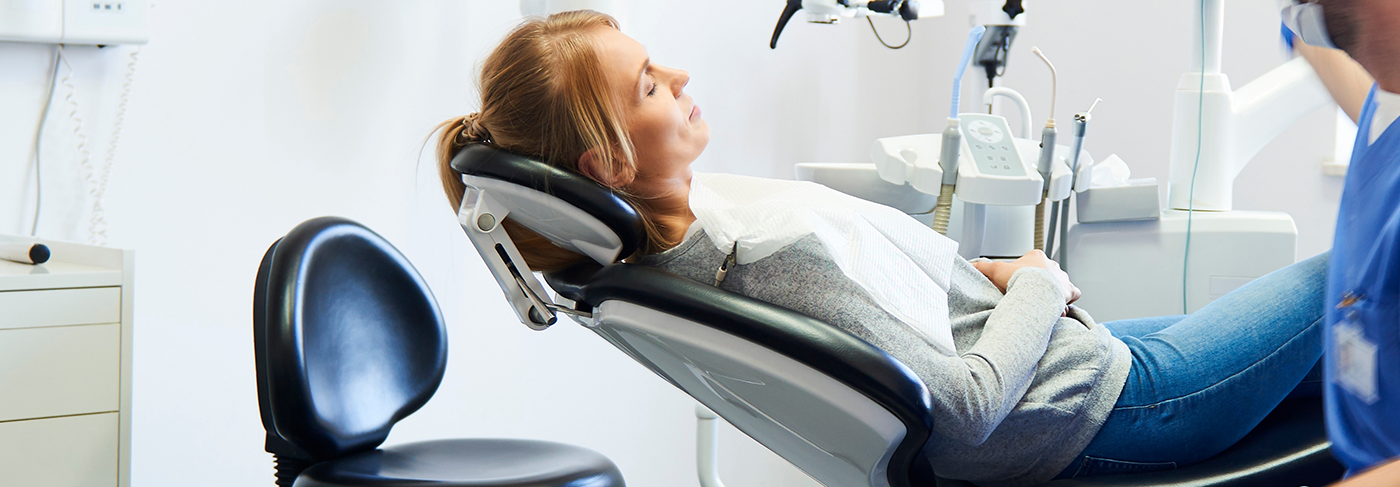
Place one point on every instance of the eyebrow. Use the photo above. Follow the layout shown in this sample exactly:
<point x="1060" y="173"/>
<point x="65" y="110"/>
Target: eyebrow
<point x="645" y="64"/>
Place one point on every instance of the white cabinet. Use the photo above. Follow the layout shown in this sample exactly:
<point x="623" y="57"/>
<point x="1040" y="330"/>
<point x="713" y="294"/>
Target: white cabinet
<point x="65" y="368"/>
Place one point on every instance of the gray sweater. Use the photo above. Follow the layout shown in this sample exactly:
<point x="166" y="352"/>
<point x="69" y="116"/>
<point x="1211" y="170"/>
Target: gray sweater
<point x="1025" y="394"/>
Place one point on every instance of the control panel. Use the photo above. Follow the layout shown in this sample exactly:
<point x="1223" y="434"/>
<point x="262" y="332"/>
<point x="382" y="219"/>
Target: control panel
<point x="989" y="143"/>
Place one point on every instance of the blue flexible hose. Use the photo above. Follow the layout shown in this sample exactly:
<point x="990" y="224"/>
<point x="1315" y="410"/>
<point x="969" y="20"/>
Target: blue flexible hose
<point x="972" y="39"/>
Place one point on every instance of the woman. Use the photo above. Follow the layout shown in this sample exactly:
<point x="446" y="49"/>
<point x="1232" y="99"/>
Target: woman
<point x="1037" y="390"/>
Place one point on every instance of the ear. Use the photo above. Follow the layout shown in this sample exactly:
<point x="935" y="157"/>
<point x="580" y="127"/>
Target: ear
<point x="591" y="165"/>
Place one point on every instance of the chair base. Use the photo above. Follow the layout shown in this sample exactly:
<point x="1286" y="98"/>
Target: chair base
<point x="468" y="463"/>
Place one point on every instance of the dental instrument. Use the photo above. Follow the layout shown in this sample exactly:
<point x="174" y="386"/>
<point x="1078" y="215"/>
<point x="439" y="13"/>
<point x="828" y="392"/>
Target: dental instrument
<point x="952" y="139"/>
<point x="1061" y="212"/>
<point x="1047" y="152"/>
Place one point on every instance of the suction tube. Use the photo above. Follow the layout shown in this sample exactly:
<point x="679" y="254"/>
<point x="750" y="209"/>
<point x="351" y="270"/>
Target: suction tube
<point x="952" y="139"/>
<point x="973" y="38"/>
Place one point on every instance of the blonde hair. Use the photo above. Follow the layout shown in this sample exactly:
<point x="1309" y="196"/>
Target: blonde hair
<point x="544" y="94"/>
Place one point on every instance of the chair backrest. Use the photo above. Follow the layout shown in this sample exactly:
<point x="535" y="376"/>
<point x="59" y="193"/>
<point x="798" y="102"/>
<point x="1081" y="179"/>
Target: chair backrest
<point x="348" y="340"/>
<point x="835" y="406"/>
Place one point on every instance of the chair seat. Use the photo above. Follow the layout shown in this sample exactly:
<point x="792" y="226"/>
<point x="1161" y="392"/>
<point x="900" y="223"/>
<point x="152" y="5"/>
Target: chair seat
<point x="468" y="463"/>
<point x="1289" y="448"/>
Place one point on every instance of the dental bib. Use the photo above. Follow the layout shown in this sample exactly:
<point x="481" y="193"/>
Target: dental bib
<point x="902" y="264"/>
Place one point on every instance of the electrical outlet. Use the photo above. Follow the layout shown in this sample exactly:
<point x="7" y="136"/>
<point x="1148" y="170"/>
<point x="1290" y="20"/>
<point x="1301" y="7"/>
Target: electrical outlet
<point x="104" y="22"/>
<point x="31" y="20"/>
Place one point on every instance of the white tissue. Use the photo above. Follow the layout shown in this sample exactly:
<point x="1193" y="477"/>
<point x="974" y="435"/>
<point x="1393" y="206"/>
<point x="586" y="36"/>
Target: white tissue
<point x="903" y="265"/>
<point x="1111" y="172"/>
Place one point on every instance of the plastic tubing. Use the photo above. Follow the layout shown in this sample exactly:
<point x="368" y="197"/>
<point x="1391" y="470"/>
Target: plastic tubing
<point x="973" y="38"/>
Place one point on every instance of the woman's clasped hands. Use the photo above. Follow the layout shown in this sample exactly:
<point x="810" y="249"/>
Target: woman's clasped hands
<point x="1000" y="272"/>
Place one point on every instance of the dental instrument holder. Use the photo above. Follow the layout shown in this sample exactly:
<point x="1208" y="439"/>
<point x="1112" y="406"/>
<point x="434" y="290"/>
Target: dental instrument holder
<point x="916" y="160"/>
<point x="948" y="162"/>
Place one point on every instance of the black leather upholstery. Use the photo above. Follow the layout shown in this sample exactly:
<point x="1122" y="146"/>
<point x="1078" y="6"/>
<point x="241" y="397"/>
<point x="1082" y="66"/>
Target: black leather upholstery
<point x="844" y="357"/>
<point x="331" y="288"/>
<point x="468" y="463"/>
<point x="348" y="340"/>
<point x="485" y="161"/>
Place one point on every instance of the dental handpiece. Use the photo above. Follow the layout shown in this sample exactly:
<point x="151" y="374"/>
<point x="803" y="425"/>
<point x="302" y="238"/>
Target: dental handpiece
<point x="948" y="161"/>
<point x="1047" y="153"/>
<point x="1081" y="125"/>
<point x="1047" y="156"/>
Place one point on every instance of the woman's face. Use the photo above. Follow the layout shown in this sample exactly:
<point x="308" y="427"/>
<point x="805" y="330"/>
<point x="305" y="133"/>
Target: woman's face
<point x="663" y="122"/>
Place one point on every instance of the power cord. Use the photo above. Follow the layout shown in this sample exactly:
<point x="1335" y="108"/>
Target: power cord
<point x="38" y="144"/>
<point x="1200" y="133"/>
<point x="909" y="34"/>
<point x="84" y="157"/>
<point x="99" y="223"/>
<point x="96" y="177"/>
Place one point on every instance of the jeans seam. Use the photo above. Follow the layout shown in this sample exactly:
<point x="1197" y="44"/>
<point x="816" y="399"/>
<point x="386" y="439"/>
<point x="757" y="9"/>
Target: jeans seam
<point x="1217" y="383"/>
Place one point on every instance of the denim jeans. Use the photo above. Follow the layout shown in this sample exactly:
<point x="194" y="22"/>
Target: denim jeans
<point x="1200" y="382"/>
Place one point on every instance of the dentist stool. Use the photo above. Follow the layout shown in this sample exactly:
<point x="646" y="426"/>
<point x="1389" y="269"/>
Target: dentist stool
<point x="348" y="340"/>
<point x="838" y="408"/>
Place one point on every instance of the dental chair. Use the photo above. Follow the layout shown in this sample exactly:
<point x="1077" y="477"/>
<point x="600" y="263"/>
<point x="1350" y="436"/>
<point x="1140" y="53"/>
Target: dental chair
<point x="841" y="410"/>
<point x="348" y="341"/>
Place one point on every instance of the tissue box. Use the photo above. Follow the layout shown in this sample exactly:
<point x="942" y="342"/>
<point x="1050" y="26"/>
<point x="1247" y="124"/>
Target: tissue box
<point x="1136" y="201"/>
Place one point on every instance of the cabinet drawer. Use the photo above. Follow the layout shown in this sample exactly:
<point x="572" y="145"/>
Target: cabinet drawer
<point x="58" y="307"/>
<point x="59" y="371"/>
<point x="76" y="451"/>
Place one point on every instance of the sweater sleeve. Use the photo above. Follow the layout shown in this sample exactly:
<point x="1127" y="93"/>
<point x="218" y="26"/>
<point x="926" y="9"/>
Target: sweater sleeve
<point x="997" y="370"/>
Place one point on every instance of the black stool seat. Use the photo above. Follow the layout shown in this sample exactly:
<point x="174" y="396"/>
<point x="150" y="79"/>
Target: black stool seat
<point x="468" y="463"/>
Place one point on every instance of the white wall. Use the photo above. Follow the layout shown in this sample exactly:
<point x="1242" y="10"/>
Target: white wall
<point x="244" y="122"/>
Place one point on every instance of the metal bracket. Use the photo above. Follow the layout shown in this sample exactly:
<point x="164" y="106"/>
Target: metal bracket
<point x="480" y="216"/>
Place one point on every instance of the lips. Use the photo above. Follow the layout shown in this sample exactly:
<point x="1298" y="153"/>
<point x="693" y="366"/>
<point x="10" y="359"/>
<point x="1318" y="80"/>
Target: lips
<point x="694" y="111"/>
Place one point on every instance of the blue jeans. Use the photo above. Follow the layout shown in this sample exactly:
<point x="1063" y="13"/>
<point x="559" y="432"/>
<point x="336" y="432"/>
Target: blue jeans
<point x="1200" y="382"/>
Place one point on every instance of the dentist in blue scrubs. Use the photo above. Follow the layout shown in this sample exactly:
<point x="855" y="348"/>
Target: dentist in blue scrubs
<point x="1361" y="341"/>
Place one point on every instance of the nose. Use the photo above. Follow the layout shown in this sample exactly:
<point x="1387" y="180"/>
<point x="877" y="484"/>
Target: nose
<point x="678" y="79"/>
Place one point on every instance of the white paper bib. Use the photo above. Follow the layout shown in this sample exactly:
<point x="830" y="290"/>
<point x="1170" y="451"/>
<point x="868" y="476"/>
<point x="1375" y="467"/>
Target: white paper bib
<point x="902" y="264"/>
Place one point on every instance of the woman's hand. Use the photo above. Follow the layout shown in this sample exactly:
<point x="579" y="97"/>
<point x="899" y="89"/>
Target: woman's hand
<point x="1000" y="272"/>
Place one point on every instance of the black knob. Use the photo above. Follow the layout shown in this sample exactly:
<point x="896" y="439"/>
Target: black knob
<point x="1013" y="8"/>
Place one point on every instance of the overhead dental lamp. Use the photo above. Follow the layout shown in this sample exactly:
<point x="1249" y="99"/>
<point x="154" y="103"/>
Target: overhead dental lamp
<point x="832" y="11"/>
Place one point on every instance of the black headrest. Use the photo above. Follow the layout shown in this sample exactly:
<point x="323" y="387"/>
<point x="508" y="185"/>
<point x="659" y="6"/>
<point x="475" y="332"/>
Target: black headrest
<point x="611" y="210"/>
<point x="347" y="337"/>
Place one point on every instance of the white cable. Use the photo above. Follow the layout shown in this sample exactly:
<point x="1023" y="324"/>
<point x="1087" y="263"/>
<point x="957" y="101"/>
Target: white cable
<point x="96" y="178"/>
<point x="98" y="227"/>
<point x="84" y="157"/>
